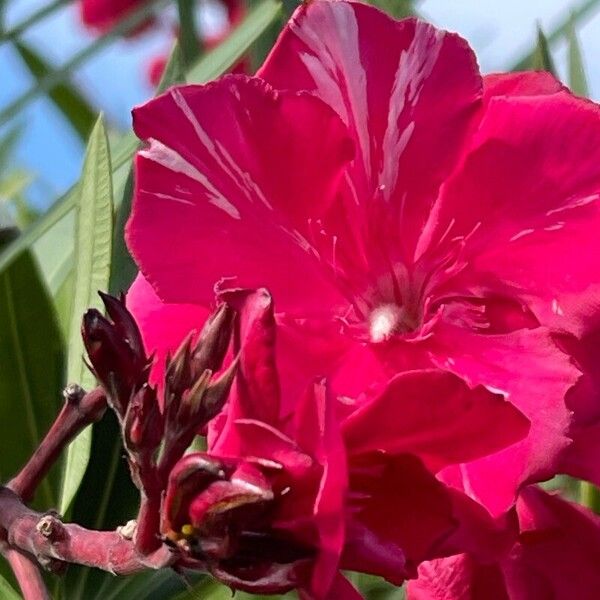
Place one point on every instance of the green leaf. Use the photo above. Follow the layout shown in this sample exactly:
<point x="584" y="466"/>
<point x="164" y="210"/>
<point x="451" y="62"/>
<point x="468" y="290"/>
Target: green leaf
<point x="65" y="97"/>
<point x="63" y="302"/>
<point x="583" y="11"/>
<point x="123" y="269"/>
<point x="188" y="35"/>
<point x="375" y="588"/>
<point x="14" y="183"/>
<point x="31" y="366"/>
<point x="542" y="59"/>
<point x="93" y="245"/>
<point x="31" y="19"/>
<point x="157" y="585"/>
<point x="589" y="495"/>
<point x="61" y="209"/>
<point x="7" y="592"/>
<point x="399" y="9"/>
<point x="209" y="589"/>
<point x="224" y="56"/>
<point x="133" y="20"/>
<point x="174" y="72"/>
<point x="7" y="144"/>
<point x="577" y="79"/>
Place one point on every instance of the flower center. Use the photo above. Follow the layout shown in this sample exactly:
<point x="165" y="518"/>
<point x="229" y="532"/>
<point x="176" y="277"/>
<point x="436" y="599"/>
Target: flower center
<point x="385" y="321"/>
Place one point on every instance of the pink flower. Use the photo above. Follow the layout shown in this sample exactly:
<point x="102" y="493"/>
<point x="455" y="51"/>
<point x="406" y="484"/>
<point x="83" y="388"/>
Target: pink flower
<point x="404" y="212"/>
<point x="278" y="503"/>
<point x="556" y="556"/>
<point x="103" y="14"/>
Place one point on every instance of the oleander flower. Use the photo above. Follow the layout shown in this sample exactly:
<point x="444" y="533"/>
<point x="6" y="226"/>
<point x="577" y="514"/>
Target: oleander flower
<point x="101" y="15"/>
<point x="405" y="212"/>
<point x="277" y="503"/>
<point x="556" y="556"/>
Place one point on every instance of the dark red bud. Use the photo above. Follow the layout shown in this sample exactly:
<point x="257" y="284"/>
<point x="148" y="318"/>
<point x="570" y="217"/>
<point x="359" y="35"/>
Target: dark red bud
<point x="109" y="360"/>
<point x="178" y="375"/>
<point x="217" y="393"/>
<point x="214" y="340"/>
<point x="124" y="324"/>
<point x="115" y="352"/>
<point x="143" y="424"/>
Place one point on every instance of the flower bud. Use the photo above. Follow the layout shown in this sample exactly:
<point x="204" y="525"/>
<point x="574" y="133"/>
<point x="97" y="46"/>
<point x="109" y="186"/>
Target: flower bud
<point x="214" y="340"/>
<point x="115" y="351"/>
<point x="143" y="423"/>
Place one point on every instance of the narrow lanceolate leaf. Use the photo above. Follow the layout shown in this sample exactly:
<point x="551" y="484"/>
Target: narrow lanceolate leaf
<point x="209" y="589"/>
<point x="577" y="79"/>
<point x="65" y="97"/>
<point x="188" y="33"/>
<point x="399" y="9"/>
<point x="7" y="144"/>
<point x="542" y="59"/>
<point x="7" y="592"/>
<point x="225" y="55"/>
<point x="582" y="11"/>
<point x="31" y="366"/>
<point x="123" y="268"/>
<point x="174" y="72"/>
<point x="93" y="246"/>
<point x="589" y="495"/>
<point x="132" y="21"/>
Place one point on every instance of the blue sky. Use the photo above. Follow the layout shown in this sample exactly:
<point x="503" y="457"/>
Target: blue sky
<point x="499" y="30"/>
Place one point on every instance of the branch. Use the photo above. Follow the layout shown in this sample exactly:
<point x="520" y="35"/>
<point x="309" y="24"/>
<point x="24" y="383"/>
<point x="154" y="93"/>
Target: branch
<point x="78" y="411"/>
<point x="27" y="574"/>
<point x="46" y="538"/>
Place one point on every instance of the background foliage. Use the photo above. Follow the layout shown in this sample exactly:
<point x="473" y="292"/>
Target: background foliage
<point x="52" y="263"/>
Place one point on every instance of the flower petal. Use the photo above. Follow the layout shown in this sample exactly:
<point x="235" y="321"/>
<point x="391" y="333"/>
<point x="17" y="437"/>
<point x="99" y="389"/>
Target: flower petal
<point x="222" y="161"/>
<point x="459" y="578"/>
<point x="408" y="93"/>
<point x="436" y="416"/>
<point x="163" y="325"/>
<point x="527" y="197"/>
<point x="256" y="394"/>
<point x="317" y="432"/>
<point x="525" y="83"/>
<point x="535" y="376"/>
<point x="400" y="510"/>
<point x="560" y="544"/>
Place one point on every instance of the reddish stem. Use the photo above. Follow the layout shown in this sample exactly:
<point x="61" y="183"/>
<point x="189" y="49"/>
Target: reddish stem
<point x="27" y="574"/>
<point x="78" y="411"/>
<point x="148" y="523"/>
<point x="49" y="540"/>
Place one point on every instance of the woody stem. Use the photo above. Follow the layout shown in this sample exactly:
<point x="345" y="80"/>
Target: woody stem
<point x="79" y="411"/>
<point x="27" y="573"/>
<point x="52" y="542"/>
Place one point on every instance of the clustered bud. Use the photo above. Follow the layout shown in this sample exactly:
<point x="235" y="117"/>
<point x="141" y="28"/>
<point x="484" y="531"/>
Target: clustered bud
<point x="116" y="352"/>
<point x="157" y="434"/>
<point x="193" y="396"/>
